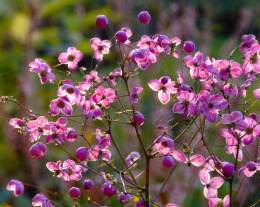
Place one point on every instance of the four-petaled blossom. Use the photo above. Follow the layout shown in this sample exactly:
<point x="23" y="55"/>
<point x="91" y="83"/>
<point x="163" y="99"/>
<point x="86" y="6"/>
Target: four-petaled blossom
<point x="165" y="87"/>
<point x="16" y="186"/>
<point x="43" y="70"/>
<point x="147" y="43"/>
<point x="248" y="41"/>
<point x="88" y="81"/>
<point x="41" y="200"/>
<point x="104" y="96"/>
<point x="209" y="105"/>
<point x="70" y="91"/>
<point x="71" y="57"/>
<point x="91" y="110"/>
<point x="229" y="70"/>
<point x="142" y="57"/>
<point x="163" y="144"/>
<point x="37" y="128"/>
<point x="211" y="185"/>
<point x="100" y="47"/>
<point x="131" y="158"/>
<point x="169" y="46"/>
<point x="187" y="104"/>
<point x="250" y="169"/>
<point x="61" y="104"/>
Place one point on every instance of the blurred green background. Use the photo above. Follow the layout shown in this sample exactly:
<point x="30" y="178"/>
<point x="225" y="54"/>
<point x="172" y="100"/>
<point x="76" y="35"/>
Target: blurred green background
<point x="44" y="29"/>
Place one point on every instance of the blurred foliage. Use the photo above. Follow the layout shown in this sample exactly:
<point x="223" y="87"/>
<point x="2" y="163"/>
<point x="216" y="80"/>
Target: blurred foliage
<point x="32" y="29"/>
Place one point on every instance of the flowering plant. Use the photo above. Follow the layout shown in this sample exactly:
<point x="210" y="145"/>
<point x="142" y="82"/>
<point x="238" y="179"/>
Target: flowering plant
<point x="212" y="95"/>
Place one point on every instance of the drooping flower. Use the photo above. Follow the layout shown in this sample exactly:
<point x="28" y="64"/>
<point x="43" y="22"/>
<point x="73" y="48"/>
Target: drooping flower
<point x="217" y="202"/>
<point x="248" y="41"/>
<point x="91" y="110"/>
<point x="100" y="47"/>
<point x="16" y="123"/>
<point x="211" y="185"/>
<point x="187" y="104"/>
<point x="230" y="90"/>
<point x="41" y="200"/>
<point x="165" y="87"/>
<point x="253" y="59"/>
<point x="124" y="198"/>
<point x="108" y="189"/>
<point x="209" y="105"/>
<point x="71" y="171"/>
<point x="16" y="186"/>
<point x="104" y="96"/>
<point x="115" y="76"/>
<point x="131" y="158"/>
<point x="236" y="118"/>
<point x="252" y="131"/>
<point x="43" y="70"/>
<point x="250" y="169"/>
<point x="134" y="95"/>
<point x="71" y="57"/>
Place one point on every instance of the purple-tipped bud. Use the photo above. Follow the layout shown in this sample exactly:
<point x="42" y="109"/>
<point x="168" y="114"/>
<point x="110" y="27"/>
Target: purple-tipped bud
<point x="139" y="204"/>
<point x="253" y="116"/>
<point x="74" y="193"/>
<point x="164" y="79"/>
<point x="38" y="150"/>
<point x="189" y="46"/>
<point x="168" y="161"/>
<point x="124" y="198"/>
<point x="101" y="21"/>
<point x="88" y="184"/>
<point x="108" y="189"/>
<point x="228" y="169"/>
<point x="82" y="153"/>
<point x="16" y="186"/>
<point x="160" y="127"/>
<point x="139" y="118"/>
<point x="144" y="17"/>
<point x="121" y="36"/>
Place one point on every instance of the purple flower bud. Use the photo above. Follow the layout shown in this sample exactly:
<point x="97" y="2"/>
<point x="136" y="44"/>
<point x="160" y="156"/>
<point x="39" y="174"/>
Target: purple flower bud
<point x="189" y="46"/>
<point x="139" y="204"/>
<point x="74" y="193"/>
<point x="121" y="36"/>
<point x="144" y="17"/>
<point x="101" y="21"/>
<point x="124" y="198"/>
<point x="16" y="186"/>
<point x="82" y="153"/>
<point x="88" y="184"/>
<point x="38" y="150"/>
<point x="168" y="161"/>
<point x="253" y="116"/>
<point x="228" y="169"/>
<point x="139" y="118"/>
<point x="164" y="79"/>
<point x="108" y="189"/>
<point x="160" y="127"/>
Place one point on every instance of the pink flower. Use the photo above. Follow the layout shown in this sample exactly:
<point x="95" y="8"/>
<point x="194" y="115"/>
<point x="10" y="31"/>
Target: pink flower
<point x="131" y="158"/>
<point x="57" y="168"/>
<point x="37" y="128"/>
<point x="236" y="118"/>
<point x="196" y="65"/>
<point x="196" y="160"/>
<point x="41" y="200"/>
<point x="138" y="118"/>
<point x="128" y="34"/>
<point x="16" y="186"/>
<point x="43" y="70"/>
<point x="115" y="76"/>
<point x="71" y="92"/>
<point x="89" y="81"/>
<point x="248" y="41"/>
<point x="210" y="105"/>
<point x="253" y="59"/>
<point x="257" y="93"/>
<point x="71" y="171"/>
<point x="96" y="152"/>
<point x="252" y="131"/>
<point x="142" y="57"/>
<point x="230" y="90"/>
<point x="38" y="150"/>
<point x="147" y="43"/>
<point x="211" y="185"/>
<point x="165" y="87"/>
<point x="100" y="47"/>
<point x="163" y="144"/>
<point x="101" y="21"/>
<point x="71" y="57"/>
<point x="58" y="136"/>
<point x="250" y="169"/>
<point x="213" y="202"/>
<point x="229" y="70"/>
<point x="187" y="104"/>
<point x="104" y="96"/>
<point x="134" y="96"/>
<point x="16" y="123"/>
<point x="171" y="205"/>
<point x="244" y="87"/>
<point x="91" y="110"/>
<point x="169" y="46"/>
<point x="61" y="104"/>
